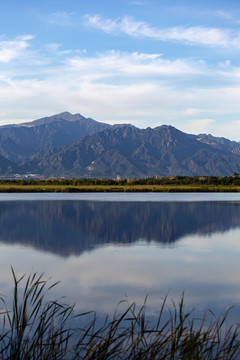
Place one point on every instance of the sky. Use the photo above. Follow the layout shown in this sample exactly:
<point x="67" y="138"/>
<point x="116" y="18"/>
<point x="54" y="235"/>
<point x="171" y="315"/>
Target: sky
<point x="144" y="62"/>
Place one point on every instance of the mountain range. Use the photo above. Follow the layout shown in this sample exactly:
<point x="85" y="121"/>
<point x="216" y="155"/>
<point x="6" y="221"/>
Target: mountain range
<point x="66" y="145"/>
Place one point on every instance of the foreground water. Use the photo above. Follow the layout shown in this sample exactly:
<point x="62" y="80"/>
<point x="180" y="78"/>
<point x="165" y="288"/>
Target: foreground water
<point x="108" y="247"/>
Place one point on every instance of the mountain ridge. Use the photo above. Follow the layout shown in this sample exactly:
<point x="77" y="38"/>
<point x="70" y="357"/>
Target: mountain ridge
<point x="18" y="142"/>
<point x="74" y="146"/>
<point x="133" y="152"/>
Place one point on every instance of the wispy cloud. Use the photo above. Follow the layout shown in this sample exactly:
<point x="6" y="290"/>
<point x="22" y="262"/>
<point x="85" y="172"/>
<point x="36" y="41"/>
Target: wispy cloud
<point x="132" y="65"/>
<point x="196" y="35"/>
<point x="53" y="46"/>
<point x="61" y="18"/>
<point x="10" y="50"/>
<point x="233" y="18"/>
<point x="138" y="3"/>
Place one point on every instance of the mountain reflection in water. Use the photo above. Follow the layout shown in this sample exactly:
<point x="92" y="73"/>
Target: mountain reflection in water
<point x="71" y="227"/>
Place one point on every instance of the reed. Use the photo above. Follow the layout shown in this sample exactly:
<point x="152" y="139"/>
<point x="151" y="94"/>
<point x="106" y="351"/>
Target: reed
<point x="36" y="328"/>
<point x="58" y="188"/>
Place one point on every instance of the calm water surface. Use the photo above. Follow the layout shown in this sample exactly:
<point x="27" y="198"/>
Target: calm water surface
<point x="106" y="247"/>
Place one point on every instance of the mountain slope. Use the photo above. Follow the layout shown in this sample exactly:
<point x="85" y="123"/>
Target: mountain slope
<point x="7" y="167"/>
<point x="18" y="142"/>
<point x="133" y="152"/>
<point x="220" y="143"/>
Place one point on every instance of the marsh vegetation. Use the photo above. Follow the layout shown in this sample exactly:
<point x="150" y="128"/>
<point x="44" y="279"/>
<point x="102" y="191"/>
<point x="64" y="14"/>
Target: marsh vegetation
<point x="33" y="327"/>
<point x="154" y="184"/>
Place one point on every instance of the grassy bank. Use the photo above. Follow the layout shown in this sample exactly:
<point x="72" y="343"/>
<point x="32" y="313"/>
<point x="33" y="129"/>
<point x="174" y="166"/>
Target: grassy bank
<point x="37" y="329"/>
<point x="35" y="188"/>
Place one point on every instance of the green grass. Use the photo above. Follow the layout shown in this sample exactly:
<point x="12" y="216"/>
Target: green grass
<point x="36" y="328"/>
<point x="17" y="188"/>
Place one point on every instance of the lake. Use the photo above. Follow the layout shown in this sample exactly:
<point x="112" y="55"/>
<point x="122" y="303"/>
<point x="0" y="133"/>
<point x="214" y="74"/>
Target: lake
<point x="108" y="247"/>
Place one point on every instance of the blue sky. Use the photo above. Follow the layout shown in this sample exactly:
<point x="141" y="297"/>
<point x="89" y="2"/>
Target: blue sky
<point x="145" y="62"/>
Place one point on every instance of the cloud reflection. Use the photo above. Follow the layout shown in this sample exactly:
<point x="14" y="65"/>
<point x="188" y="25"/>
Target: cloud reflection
<point x="104" y="251"/>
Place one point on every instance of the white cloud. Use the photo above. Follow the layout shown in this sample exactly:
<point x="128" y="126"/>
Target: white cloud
<point x="140" y="88"/>
<point x="229" y="70"/>
<point x="144" y="103"/>
<point x="10" y="50"/>
<point x="197" y="126"/>
<point x="196" y="35"/>
<point x="231" y="130"/>
<point x="193" y="111"/>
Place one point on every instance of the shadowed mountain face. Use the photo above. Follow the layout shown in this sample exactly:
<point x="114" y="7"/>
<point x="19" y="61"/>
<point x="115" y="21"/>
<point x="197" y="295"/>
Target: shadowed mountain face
<point x="7" y="166"/>
<point x="73" y="227"/>
<point x="73" y="146"/>
<point x="132" y="152"/>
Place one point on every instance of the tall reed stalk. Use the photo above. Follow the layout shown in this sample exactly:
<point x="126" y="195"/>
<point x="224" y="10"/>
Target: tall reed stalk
<point x="36" y="328"/>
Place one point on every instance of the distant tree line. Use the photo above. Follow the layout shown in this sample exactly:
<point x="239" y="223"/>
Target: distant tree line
<point x="170" y="180"/>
